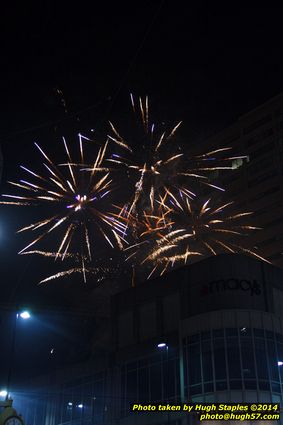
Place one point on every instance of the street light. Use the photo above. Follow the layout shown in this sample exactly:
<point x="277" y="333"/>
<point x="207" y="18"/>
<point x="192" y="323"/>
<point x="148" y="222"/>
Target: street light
<point x="164" y="346"/>
<point x="9" y="414"/>
<point x="23" y="315"/>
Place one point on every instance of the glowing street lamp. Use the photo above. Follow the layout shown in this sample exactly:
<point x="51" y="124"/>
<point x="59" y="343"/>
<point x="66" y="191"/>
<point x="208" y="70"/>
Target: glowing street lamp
<point x="25" y="315"/>
<point x="162" y="345"/>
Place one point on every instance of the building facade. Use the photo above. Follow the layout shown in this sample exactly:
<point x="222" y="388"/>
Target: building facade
<point x="211" y="332"/>
<point x="256" y="183"/>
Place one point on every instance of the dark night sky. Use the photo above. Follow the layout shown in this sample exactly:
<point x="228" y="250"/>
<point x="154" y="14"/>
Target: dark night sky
<point x="201" y="64"/>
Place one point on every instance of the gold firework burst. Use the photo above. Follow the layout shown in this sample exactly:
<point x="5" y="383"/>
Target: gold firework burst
<point x="76" y="202"/>
<point x="155" y="163"/>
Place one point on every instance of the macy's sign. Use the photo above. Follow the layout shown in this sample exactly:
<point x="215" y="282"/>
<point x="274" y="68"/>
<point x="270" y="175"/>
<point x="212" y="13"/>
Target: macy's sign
<point x="250" y="287"/>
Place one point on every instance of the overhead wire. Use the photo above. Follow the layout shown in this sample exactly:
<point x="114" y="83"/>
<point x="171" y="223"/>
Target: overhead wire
<point x="111" y="99"/>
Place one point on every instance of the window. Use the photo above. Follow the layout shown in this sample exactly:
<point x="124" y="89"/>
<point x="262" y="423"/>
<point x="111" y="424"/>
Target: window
<point x="250" y="384"/>
<point x="264" y="385"/>
<point x="233" y="354"/>
<point x="205" y="335"/>
<point x="280" y="358"/>
<point x="143" y="384"/>
<point x="126" y="328"/>
<point x="221" y="385"/>
<point x="259" y="333"/>
<point x="155" y="382"/>
<point x="272" y="360"/>
<point x="248" y="361"/>
<point x="232" y="332"/>
<point x="235" y="384"/>
<point x="218" y="333"/>
<point x="131" y="386"/>
<point x="208" y="387"/>
<point x="251" y="356"/>
<point x="261" y="360"/>
<point x="169" y="375"/>
<point x="147" y="313"/>
<point x="151" y="379"/>
<point x="219" y="358"/>
<point x="207" y="361"/>
<point x="194" y="368"/>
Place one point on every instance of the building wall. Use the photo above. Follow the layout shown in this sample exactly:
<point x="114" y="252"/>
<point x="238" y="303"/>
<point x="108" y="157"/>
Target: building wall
<point x="233" y="352"/>
<point x="256" y="184"/>
<point x="223" y="282"/>
<point x="230" y="336"/>
<point x="223" y="349"/>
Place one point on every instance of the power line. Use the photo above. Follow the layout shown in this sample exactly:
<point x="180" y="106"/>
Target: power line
<point x="51" y="123"/>
<point x="110" y="99"/>
<point x="136" y="55"/>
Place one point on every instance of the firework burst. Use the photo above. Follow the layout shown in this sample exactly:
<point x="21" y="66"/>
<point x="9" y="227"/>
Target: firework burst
<point x="154" y="162"/>
<point x="163" y="221"/>
<point x="77" y="205"/>
<point x="181" y="230"/>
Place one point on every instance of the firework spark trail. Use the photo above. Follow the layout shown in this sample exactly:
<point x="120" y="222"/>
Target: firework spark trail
<point x="101" y="267"/>
<point x="47" y="254"/>
<point x="182" y="228"/>
<point x="78" y="204"/>
<point x="147" y="166"/>
<point x="80" y="270"/>
<point x="148" y="224"/>
<point x="203" y="230"/>
<point x="154" y="165"/>
<point x="153" y="235"/>
<point x="163" y="221"/>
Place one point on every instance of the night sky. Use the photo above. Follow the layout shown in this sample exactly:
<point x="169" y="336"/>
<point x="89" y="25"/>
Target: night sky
<point x="68" y="68"/>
